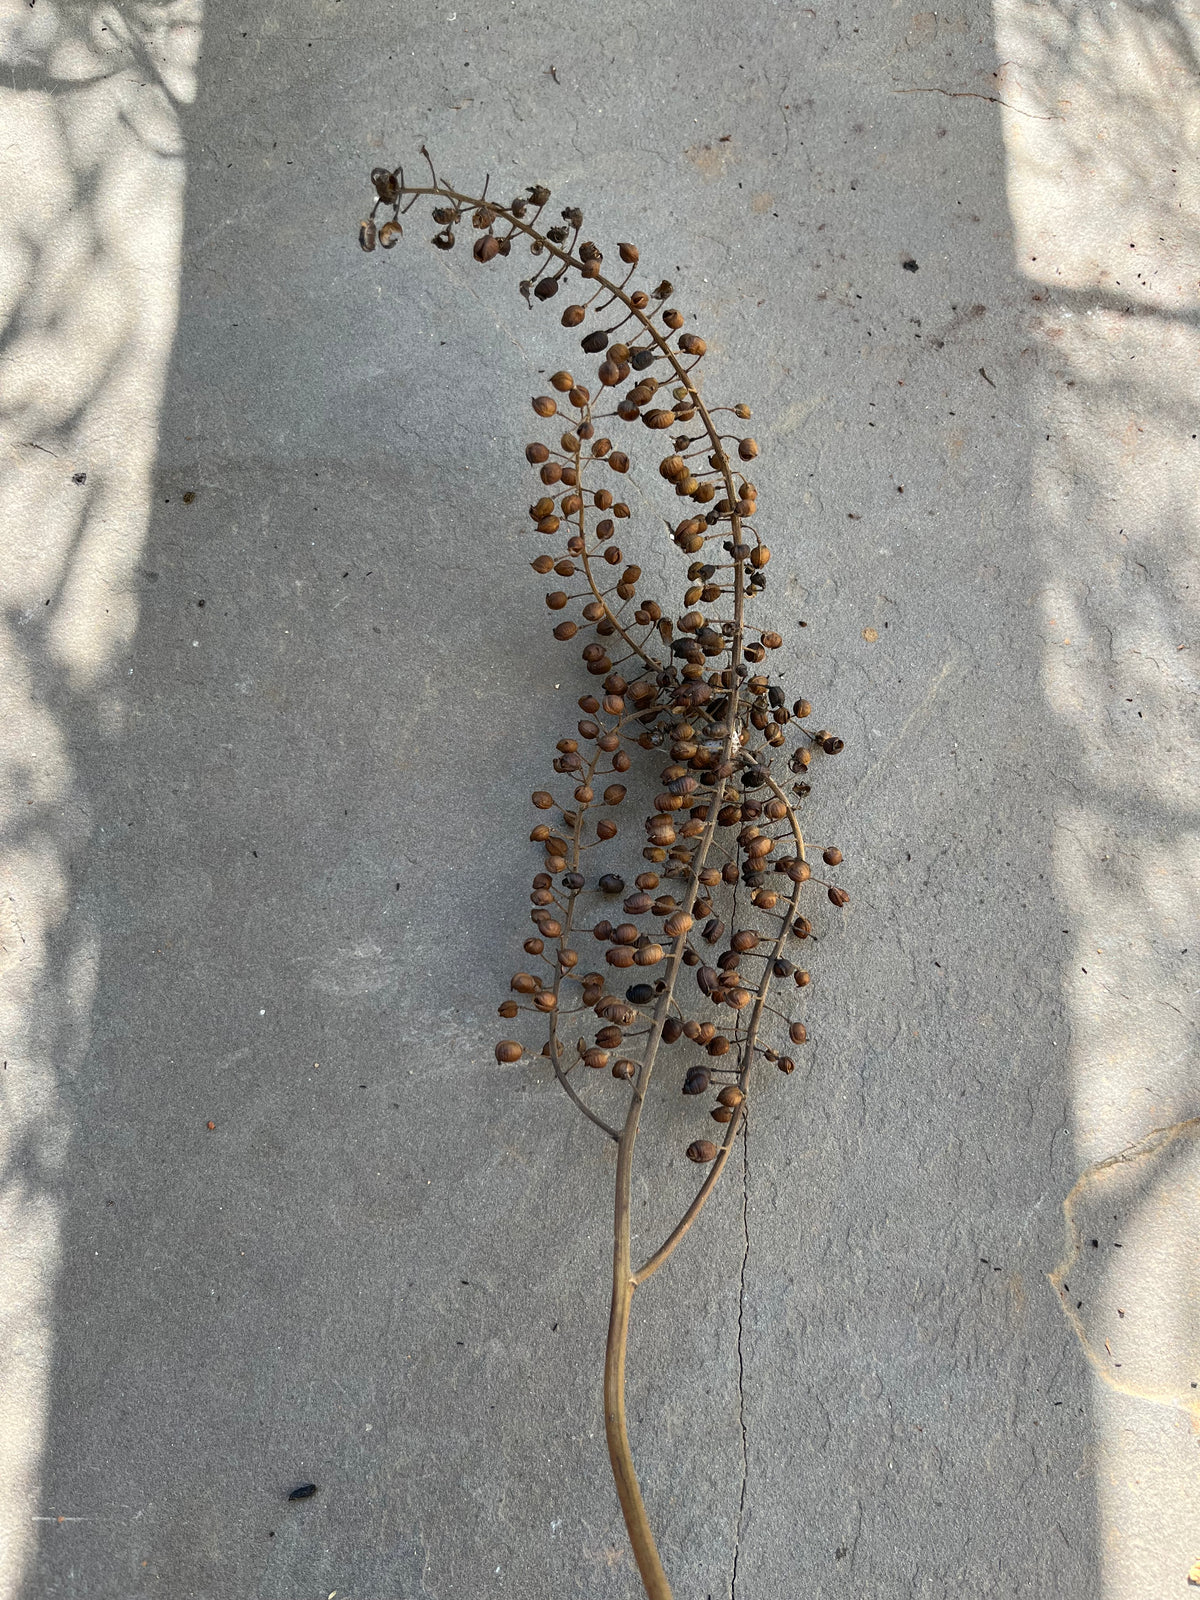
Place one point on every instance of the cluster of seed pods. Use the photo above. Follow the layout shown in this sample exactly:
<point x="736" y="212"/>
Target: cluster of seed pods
<point x="726" y="887"/>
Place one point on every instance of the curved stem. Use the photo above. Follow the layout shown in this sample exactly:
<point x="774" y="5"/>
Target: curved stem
<point x="633" y="1508"/>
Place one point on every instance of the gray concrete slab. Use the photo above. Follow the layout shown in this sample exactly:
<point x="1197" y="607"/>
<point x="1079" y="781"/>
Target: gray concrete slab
<point x="280" y="683"/>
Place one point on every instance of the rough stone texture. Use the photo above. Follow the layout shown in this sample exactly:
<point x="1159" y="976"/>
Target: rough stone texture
<point x="281" y="805"/>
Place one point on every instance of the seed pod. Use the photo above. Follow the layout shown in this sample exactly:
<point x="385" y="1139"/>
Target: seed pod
<point x="573" y="880"/>
<point x="486" y="249"/>
<point x="692" y="344"/>
<point x="748" y="449"/>
<point x="386" y="186"/>
<point x="731" y="1095"/>
<point x="606" y="830"/>
<point x="533" y="947"/>
<point x="572" y="316"/>
<point x="696" y="1081"/>
<point x="678" y="923"/>
<point x="702" y="1151"/>
<point x="614" y="794"/>
<point x="544" y="405"/>
<point x="620" y="956"/>
<point x="546" y="288"/>
<point x="832" y="856"/>
<point x="801" y="928"/>
<point x="650" y="955"/>
<point x="746" y="940"/>
<point x="546" y="1001"/>
<point x="839" y="897"/>
<point x="718" y="1045"/>
<point x="366" y="233"/>
<point x="542" y="799"/>
<point x="797" y="1033"/>
<point x="624" y="1068"/>
<point x="786" y="1064"/>
<point x="595" y="1058"/>
<point x="508" y="1008"/>
<point x="619" y="462"/>
<point x="672" y="1030"/>
<point x="721" y="1114"/>
<point x="609" y="1035"/>
<point x="508" y="1050"/>
<point x="738" y="998"/>
<point x="628" y="254"/>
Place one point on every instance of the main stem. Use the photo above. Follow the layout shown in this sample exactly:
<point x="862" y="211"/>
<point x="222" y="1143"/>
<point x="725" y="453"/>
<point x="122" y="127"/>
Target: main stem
<point x="633" y="1508"/>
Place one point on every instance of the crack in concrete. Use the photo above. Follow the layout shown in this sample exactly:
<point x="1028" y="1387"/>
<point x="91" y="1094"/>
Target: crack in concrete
<point x="1150" y="1145"/>
<point x="737" y="1540"/>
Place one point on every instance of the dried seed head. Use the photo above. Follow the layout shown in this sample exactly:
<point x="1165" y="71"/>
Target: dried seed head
<point x="544" y="405"/>
<point x="386" y="186"/>
<point x="731" y="1095"/>
<point x="628" y="254"/>
<point x="832" y="856"/>
<point x="562" y="381"/>
<point x="702" y="1151"/>
<point x="486" y="249"/>
<point x="542" y="799"/>
<point x="509" y="1050"/>
<point x="624" y="1068"/>
<point x="839" y="897"/>
<point x="572" y="316"/>
<point x="797" y="1033"/>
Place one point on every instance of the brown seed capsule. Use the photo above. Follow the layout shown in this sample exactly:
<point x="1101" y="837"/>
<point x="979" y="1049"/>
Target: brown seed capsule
<point x="718" y="1045"/>
<point x="566" y="630"/>
<point x="542" y="799"/>
<point x="595" y="1058"/>
<point x="745" y="940"/>
<point x="545" y="1001"/>
<point x="486" y="249"/>
<point x="562" y="381"/>
<point x="556" y="600"/>
<point x="386" y="185"/>
<point x="619" y="956"/>
<point x="624" y="1068"/>
<point x="609" y="1036"/>
<point x="619" y="462"/>
<point x="572" y="316"/>
<point x="839" y="897"/>
<point x="731" y="1095"/>
<point x="739" y="999"/>
<point x="672" y="1030"/>
<point x="544" y="405"/>
<point x="509" y="1050"/>
<point x="366" y="234"/>
<point x="628" y="254"/>
<point x="696" y="1081"/>
<point x="677" y="924"/>
<point x="702" y="1151"/>
<point x="508" y="1008"/>
<point x="786" y="1064"/>
<point x="832" y="856"/>
<point x="692" y="344"/>
<point x="797" y="1033"/>
<point x="801" y="928"/>
<point x="649" y="955"/>
<point x="546" y="288"/>
<point x="625" y="933"/>
<point x="614" y="794"/>
<point x="721" y="1114"/>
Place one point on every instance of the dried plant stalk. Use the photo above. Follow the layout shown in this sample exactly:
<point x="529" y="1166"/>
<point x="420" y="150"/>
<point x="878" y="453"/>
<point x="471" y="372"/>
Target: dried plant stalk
<point x="691" y="685"/>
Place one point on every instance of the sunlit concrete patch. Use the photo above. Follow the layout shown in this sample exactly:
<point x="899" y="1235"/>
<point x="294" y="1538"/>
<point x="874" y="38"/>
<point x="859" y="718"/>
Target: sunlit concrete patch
<point x="1100" y="138"/>
<point x="91" y="193"/>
